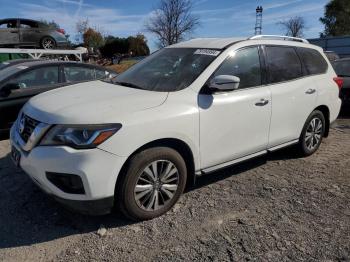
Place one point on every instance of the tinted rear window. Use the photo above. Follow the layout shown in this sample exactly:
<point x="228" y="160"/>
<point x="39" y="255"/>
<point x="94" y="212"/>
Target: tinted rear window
<point x="283" y="63"/>
<point x="313" y="61"/>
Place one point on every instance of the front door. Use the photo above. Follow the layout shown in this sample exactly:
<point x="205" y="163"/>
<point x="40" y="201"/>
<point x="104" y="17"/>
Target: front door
<point x="9" y="34"/>
<point x="30" y="33"/>
<point x="235" y="124"/>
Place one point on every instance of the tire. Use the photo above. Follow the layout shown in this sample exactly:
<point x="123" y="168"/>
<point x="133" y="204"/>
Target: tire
<point x="312" y="133"/>
<point x="47" y="43"/>
<point x="141" y="188"/>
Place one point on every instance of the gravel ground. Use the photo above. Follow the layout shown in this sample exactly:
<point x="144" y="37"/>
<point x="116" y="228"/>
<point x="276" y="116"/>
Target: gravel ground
<point x="274" y="208"/>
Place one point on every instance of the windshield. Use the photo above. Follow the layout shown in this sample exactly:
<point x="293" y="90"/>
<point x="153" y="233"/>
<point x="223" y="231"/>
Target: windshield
<point x="167" y="70"/>
<point x="342" y="68"/>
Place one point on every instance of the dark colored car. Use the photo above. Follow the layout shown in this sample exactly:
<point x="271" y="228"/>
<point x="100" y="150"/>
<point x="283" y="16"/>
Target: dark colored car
<point x="5" y="64"/>
<point x="17" y="32"/>
<point x="342" y="68"/>
<point x="20" y="82"/>
<point x="331" y="55"/>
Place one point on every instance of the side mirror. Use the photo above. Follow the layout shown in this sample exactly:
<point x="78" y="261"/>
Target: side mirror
<point x="7" y="89"/>
<point x="224" y="83"/>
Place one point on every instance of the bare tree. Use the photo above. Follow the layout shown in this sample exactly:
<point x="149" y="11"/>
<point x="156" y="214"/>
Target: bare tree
<point x="172" y="21"/>
<point x="294" y="26"/>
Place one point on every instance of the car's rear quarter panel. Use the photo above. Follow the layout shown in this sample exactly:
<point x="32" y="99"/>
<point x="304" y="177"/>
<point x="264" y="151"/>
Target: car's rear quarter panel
<point x="328" y="91"/>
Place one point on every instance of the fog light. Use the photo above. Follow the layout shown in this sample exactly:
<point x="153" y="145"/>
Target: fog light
<point x="68" y="183"/>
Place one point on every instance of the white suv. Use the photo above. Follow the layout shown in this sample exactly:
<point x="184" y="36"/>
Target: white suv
<point x="186" y="110"/>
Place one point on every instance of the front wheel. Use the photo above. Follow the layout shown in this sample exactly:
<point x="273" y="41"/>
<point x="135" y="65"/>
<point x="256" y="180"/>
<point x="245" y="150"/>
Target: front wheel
<point x="153" y="183"/>
<point x="312" y="134"/>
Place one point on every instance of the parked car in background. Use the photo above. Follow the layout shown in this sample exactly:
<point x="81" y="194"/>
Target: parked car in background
<point x="18" y="32"/>
<point x="186" y="110"/>
<point x="331" y="55"/>
<point x="19" y="82"/>
<point x="5" y="64"/>
<point x="342" y="68"/>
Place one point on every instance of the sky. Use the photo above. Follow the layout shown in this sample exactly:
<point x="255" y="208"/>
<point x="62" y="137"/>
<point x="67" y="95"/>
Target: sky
<point x="218" y="18"/>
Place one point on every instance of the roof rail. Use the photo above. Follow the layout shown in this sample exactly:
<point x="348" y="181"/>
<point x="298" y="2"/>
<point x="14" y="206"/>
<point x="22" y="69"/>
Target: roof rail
<point x="280" y="37"/>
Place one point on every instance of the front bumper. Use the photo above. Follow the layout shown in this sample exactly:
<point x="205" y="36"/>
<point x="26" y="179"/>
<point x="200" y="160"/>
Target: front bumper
<point x="97" y="169"/>
<point x="88" y="207"/>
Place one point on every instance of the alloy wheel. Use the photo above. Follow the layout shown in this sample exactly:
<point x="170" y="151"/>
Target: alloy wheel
<point x="313" y="133"/>
<point x="156" y="185"/>
<point x="48" y="43"/>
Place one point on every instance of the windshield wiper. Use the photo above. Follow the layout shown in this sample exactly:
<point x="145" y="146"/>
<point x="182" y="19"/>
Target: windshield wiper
<point x="128" y="85"/>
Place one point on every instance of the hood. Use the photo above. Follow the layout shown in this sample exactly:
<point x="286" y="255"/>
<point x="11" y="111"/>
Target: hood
<point x="90" y="103"/>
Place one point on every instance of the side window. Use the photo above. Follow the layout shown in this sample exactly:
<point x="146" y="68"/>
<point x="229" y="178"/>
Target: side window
<point x="28" y="24"/>
<point x="101" y="74"/>
<point x="6" y="24"/>
<point x="3" y="25"/>
<point x="244" y="64"/>
<point x="78" y="73"/>
<point x="283" y="64"/>
<point x="313" y="61"/>
<point x="37" y="77"/>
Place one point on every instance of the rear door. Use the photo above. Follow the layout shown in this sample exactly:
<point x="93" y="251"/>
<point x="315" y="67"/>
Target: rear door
<point x="29" y="32"/>
<point x="293" y="94"/>
<point x="9" y="33"/>
<point x="29" y="83"/>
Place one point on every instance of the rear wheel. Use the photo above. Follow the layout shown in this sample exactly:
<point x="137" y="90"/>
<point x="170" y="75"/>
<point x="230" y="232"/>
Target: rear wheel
<point x="48" y="43"/>
<point x="153" y="183"/>
<point x="312" y="134"/>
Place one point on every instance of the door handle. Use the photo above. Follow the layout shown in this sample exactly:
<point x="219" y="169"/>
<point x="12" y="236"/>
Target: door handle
<point x="262" y="102"/>
<point x="310" y="91"/>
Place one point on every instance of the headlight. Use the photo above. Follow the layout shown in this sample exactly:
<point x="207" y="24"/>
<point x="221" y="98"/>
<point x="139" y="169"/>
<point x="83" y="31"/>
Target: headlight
<point x="79" y="136"/>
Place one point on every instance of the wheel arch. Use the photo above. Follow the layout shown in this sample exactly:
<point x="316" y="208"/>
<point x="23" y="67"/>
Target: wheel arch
<point x="325" y="111"/>
<point x="179" y="145"/>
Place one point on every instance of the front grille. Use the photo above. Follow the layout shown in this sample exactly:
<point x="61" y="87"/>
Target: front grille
<point x="27" y="126"/>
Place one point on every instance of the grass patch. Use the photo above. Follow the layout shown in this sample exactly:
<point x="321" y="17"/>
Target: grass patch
<point x="124" y="65"/>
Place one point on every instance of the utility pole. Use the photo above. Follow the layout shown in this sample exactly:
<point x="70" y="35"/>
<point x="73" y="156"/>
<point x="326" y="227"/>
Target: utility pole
<point x="258" y="23"/>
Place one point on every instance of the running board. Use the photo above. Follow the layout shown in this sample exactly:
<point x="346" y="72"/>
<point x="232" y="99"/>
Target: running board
<point x="232" y="162"/>
<point x="238" y="160"/>
<point x="293" y="142"/>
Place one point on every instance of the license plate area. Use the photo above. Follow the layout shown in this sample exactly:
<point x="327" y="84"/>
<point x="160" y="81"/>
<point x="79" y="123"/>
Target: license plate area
<point x="16" y="156"/>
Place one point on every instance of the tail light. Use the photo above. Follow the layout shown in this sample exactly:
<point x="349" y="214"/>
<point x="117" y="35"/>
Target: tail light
<point x="339" y="81"/>
<point x="61" y="31"/>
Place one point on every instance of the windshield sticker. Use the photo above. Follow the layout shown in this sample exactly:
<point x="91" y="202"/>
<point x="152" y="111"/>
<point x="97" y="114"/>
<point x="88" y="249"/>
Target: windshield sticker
<point x="22" y="67"/>
<point x="207" y="52"/>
